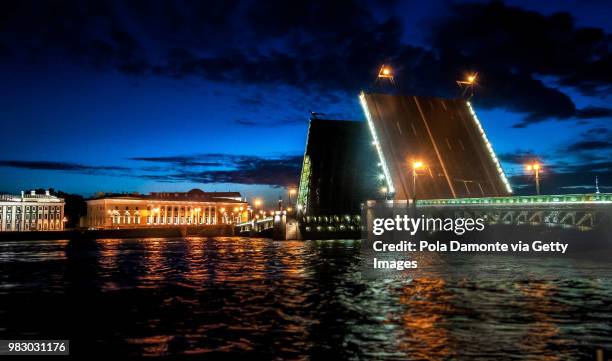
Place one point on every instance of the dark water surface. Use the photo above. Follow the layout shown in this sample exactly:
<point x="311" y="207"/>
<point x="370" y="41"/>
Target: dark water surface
<point x="258" y="298"/>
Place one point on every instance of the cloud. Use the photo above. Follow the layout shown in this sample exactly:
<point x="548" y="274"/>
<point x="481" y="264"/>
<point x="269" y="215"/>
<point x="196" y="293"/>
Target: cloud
<point x="589" y="145"/>
<point x="519" y="156"/>
<point x="278" y="171"/>
<point x="329" y="47"/>
<point x="593" y="112"/>
<point x="593" y="144"/>
<point x="247" y="123"/>
<point x="182" y="161"/>
<point x="61" y="166"/>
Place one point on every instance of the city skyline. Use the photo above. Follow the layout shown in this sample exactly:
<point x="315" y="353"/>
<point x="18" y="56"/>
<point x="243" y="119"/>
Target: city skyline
<point x="144" y="98"/>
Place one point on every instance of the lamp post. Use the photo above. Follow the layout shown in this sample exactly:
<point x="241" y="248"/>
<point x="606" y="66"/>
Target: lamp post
<point x="384" y="191"/>
<point x="535" y="167"/>
<point x="292" y="191"/>
<point x="468" y="84"/>
<point x="257" y="204"/>
<point x="416" y="165"/>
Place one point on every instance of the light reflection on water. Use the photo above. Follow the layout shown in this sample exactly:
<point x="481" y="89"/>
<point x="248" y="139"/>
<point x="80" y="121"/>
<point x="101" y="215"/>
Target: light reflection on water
<point x="204" y="296"/>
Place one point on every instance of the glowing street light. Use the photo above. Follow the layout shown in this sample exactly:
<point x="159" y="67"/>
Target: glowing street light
<point x="416" y="165"/>
<point x="292" y="191"/>
<point x="468" y="83"/>
<point x="535" y="168"/>
<point x="385" y="72"/>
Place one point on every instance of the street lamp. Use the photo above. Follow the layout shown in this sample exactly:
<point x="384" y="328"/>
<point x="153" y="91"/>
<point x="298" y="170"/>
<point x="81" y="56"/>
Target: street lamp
<point x="468" y="84"/>
<point x="416" y="165"/>
<point x="385" y="72"/>
<point x="292" y="191"/>
<point x="535" y="168"/>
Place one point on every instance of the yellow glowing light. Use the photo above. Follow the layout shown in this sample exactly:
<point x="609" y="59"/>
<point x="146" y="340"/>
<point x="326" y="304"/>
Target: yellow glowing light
<point x="156" y="209"/>
<point x="417" y="164"/>
<point x="383" y="189"/>
<point x="257" y="202"/>
<point x="292" y="191"/>
<point x="385" y="72"/>
<point x="198" y="209"/>
<point x="534" y="166"/>
<point x="222" y="210"/>
<point x="471" y="78"/>
<point x="289" y="209"/>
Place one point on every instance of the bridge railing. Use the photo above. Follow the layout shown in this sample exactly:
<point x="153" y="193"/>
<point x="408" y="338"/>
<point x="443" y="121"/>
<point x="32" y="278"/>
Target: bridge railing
<point x="594" y="198"/>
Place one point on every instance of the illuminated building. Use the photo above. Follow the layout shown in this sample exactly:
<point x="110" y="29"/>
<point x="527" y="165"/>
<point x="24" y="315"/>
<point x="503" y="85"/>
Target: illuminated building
<point x="339" y="170"/>
<point x="443" y="136"/>
<point x="193" y="208"/>
<point x="31" y="212"/>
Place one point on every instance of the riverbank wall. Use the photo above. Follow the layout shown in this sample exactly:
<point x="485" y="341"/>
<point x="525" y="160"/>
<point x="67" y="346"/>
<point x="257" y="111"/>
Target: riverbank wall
<point x="165" y="232"/>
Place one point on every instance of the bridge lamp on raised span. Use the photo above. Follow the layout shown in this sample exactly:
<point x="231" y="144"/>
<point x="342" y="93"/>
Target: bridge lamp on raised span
<point x="385" y="72"/>
<point x="468" y="84"/>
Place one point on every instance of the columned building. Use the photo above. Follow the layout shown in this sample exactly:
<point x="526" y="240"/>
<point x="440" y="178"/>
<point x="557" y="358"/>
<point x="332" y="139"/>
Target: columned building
<point x="193" y="208"/>
<point x="31" y="212"/>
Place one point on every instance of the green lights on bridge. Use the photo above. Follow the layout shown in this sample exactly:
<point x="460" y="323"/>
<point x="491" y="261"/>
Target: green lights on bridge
<point x="521" y="200"/>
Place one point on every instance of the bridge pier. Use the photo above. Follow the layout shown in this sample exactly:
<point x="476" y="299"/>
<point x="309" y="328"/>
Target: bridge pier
<point x="285" y="228"/>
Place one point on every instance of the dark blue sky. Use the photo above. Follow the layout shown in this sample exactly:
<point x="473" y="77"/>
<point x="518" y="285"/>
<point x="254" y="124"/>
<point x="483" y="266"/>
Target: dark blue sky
<point x="149" y="96"/>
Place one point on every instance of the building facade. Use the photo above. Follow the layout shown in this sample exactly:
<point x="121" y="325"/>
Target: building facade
<point x="31" y="212"/>
<point x="193" y="208"/>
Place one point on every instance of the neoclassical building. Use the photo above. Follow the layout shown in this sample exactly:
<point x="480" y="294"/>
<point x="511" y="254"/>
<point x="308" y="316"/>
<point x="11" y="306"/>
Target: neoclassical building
<point x="31" y="212"/>
<point x="192" y="208"/>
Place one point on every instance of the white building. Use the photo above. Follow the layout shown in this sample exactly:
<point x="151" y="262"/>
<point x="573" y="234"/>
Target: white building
<point x="192" y="208"/>
<point x="31" y="212"/>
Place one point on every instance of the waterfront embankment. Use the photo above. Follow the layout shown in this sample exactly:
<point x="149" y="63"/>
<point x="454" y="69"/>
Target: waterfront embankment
<point x="166" y="232"/>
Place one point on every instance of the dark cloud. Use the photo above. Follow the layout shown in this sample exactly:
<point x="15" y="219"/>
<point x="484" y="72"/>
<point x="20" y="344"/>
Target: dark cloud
<point x="182" y="161"/>
<point x="589" y="145"/>
<point x="247" y="123"/>
<point x="328" y="47"/>
<point x="60" y="166"/>
<point x="593" y="112"/>
<point x="519" y="156"/>
<point x="276" y="171"/>
<point x="593" y="144"/>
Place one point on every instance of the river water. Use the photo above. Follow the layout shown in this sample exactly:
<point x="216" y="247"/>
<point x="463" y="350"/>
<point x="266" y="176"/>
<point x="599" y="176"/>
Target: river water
<point x="257" y="298"/>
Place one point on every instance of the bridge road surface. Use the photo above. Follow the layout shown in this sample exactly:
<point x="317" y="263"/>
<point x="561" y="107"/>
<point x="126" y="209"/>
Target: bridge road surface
<point x="443" y="134"/>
